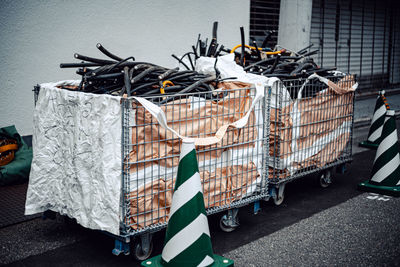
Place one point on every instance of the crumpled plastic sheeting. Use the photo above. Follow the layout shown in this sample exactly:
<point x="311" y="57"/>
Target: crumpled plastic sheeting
<point x="76" y="167"/>
<point x="228" y="69"/>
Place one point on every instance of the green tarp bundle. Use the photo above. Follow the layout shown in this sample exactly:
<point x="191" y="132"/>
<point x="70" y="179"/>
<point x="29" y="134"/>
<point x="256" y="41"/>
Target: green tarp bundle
<point x="16" y="171"/>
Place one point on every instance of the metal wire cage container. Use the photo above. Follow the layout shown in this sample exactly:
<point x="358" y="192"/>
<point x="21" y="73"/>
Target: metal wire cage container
<point x="232" y="171"/>
<point x="311" y="130"/>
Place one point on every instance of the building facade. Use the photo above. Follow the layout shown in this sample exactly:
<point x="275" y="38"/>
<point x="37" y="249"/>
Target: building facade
<point x="357" y="36"/>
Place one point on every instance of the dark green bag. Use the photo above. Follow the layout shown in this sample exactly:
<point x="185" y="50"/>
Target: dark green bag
<point x="16" y="171"/>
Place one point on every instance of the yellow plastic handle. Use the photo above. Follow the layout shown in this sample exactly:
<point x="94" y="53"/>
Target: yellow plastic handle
<point x="8" y="147"/>
<point x="164" y="84"/>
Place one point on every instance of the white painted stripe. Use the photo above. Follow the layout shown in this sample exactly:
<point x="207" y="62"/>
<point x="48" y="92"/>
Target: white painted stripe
<point x="390" y="112"/>
<point x="187" y="146"/>
<point x="386" y="143"/>
<point x="185" y="192"/>
<point x="386" y="170"/>
<point x="207" y="261"/>
<point x="379" y="113"/>
<point x="186" y="237"/>
<point x="376" y="134"/>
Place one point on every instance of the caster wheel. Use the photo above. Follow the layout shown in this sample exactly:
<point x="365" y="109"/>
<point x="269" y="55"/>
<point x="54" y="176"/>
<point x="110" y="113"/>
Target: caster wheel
<point x="278" y="200"/>
<point x="138" y="252"/>
<point x="224" y="225"/>
<point x="325" y="179"/>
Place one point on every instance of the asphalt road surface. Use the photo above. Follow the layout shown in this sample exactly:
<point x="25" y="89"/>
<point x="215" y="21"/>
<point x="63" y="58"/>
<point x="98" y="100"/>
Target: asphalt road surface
<point x="314" y="226"/>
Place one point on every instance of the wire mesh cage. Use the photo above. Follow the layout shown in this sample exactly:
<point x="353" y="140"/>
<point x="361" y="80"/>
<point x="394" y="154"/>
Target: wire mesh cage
<point x="311" y="126"/>
<point x="232" y="171"/>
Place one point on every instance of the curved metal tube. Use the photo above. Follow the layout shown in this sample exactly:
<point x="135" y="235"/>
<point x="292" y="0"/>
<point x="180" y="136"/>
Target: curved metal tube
<point x="108" y="53"/>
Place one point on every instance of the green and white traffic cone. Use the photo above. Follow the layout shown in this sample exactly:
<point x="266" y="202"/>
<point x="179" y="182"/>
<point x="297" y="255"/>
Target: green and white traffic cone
<point x="187" y="240"/>
<point x="375" y="130"/>
<point x="385" y="176"/>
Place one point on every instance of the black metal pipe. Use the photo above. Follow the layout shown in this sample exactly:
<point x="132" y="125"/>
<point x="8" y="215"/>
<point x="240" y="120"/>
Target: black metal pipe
<point x="197" y="44"/>
<point x="266" y="39"/>
<point x="258" y="63"/>
<point x="213" y="43"/>
<point x="78" y="65"/>
<point x="108" y="53"/>
<point x="180" y="61"/>
<point x="203" y="48"/>
<point x="310" y="53"/>
<point x="119" y="63"/>
<point x="127" y="81"/>
<point x="301" y="68"/>
<point x="243" y="46"/>
<point x="302" y="51"/>
<point x="135" y="89"/>
<point x="142" y="74"/>
<point x="167" y="73"/>
<point x="190" y="59"/>
<point x="218" y="52"/>
<point x="94" y="60"/>
<point x="195" y="52"/>
<point x="275" y="63"/>
<point x="105" y="76"/>
<point x="191" y="87"/>
<point x="181" y="75"/>
<point x="257" y="51"/>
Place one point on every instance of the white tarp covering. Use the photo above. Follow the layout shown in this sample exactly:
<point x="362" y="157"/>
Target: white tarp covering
<point x="228" y="68"/>
<point x="76" y="167"/>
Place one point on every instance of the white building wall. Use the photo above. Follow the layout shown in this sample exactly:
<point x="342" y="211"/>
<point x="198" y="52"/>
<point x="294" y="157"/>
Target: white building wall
<point x="295" y="24"/>
<point x="36" y="36"/>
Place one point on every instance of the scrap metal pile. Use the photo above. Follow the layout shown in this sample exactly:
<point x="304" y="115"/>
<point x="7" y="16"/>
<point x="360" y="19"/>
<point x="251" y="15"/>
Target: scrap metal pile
<point x="128" y="77"/>
<point x="288" y="65"/>
<point x="118" y="76"/>
<point x="270" y="62"/>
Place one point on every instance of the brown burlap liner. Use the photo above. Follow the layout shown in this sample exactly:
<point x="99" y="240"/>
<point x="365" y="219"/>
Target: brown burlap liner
<point x="154" y="143"/>
<point x="319" y="116"/>
<point x="157" y="146"/>
<point x="151" y="203"/>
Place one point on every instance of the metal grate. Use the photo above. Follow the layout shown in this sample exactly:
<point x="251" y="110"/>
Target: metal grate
<point x="264" y="16"/>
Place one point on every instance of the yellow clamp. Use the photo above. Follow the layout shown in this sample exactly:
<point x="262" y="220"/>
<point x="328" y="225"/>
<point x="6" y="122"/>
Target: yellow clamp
<point x="259" y="48"/>
<point x="164" y="84"/>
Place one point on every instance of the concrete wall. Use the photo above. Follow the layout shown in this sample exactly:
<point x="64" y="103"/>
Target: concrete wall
<point x="295" y="24"/>
<point x="37" y="35"/>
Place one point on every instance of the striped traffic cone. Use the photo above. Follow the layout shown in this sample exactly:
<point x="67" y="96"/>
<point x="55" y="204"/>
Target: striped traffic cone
<point x="375" y="131"/>
<point x="386" y="169"/>
<point x="187" y="239"/>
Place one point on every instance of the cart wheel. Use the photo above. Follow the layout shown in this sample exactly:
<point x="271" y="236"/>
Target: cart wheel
<point x="278" y="200"/>
<point x="138" y="252"/>
<point x="278" y="194"/>
<point x="325" y="179"/>
<point x="224" y="225"/>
